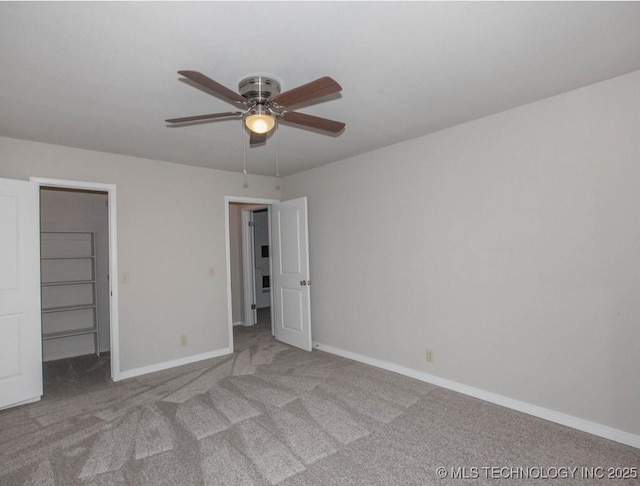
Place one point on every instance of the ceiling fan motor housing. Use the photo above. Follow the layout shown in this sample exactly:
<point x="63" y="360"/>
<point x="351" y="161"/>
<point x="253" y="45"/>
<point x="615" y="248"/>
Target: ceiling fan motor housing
<point x="259" y="88"/>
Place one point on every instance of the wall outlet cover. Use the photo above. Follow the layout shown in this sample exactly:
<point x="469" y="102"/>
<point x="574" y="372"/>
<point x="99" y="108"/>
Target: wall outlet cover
<point x="428" y="355"/>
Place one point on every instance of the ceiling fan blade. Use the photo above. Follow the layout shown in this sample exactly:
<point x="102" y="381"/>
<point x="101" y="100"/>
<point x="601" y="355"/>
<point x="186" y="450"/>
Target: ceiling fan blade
<point x="212" y="116"/>
<point x="214" y="86"/>
<point x="257" y="138"/>
<point x="312" y="121"/>
<point x="315" y="89"/>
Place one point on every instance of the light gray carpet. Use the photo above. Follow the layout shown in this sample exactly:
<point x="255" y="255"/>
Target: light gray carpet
<point x="271" y="414"/>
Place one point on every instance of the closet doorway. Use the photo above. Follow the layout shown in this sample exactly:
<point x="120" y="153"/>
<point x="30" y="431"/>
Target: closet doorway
<point x="74" y="251"/>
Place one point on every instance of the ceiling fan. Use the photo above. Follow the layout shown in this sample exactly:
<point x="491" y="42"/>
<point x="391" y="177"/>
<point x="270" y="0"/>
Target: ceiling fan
<point x="263" y="104"/>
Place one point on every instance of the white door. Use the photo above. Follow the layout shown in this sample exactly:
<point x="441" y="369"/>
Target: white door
<point x="291" y="296"/>
<point x="20" y="331"/>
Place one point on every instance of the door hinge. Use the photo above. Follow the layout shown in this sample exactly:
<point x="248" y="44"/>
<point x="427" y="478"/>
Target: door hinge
<point x="251" y="223"/>
<point x="253" y="306"/>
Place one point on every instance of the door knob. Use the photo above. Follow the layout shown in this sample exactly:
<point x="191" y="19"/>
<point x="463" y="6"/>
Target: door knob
<point x="303" y="282"/>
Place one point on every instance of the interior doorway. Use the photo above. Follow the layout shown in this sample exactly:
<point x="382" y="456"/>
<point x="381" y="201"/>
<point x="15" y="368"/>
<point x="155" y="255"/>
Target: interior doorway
<point x="289" y="280"/>
<point x="74" y="247"/>
<point x="248" y="264"/>
<point x="256" y="264"/>
<point x="109" y="337"/>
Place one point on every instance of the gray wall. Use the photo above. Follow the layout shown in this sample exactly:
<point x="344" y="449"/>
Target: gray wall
<point x="171" y="231"/>
<point x="509" y="245"/>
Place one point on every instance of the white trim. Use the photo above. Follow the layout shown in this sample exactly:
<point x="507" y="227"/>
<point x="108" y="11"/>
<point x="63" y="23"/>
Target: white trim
<point x="173" y="363"/>
<point x="227" y="200"/>
<point x="540" y="412"/>
<point x="113" y="257"/>
<point x="239" y="323"/>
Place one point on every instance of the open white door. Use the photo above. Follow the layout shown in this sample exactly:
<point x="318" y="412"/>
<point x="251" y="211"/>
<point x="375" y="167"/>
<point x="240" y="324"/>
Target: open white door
<point x="20" y="331"/>
<point x="291" y="296"/>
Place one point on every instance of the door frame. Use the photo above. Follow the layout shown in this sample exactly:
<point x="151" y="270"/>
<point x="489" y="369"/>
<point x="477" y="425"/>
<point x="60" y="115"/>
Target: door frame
<point x="110" y="189"/>
<point x="241" y="200"/>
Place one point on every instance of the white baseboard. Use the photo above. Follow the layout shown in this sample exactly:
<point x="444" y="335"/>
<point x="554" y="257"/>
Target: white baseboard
<point x="239" y="323"/>
<point x="540" y="412"/>
<point x="171" y="364"/>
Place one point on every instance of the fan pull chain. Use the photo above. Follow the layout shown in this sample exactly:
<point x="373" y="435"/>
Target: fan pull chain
<point x="277" y="152"/>
<point x="244" y="152"/>
<point x="244" y="158"/>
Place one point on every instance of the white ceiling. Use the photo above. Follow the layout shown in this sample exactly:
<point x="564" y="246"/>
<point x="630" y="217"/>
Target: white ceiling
<point x="102" y="76"/>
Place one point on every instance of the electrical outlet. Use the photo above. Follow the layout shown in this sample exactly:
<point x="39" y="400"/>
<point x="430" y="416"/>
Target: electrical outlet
<point x="183" y="339"/>
<point x="125" y="278"/>
<point x="428" y="355"/>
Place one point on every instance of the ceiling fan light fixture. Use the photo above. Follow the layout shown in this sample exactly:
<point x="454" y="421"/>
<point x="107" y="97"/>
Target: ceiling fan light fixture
<point x="260" y="121"/>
